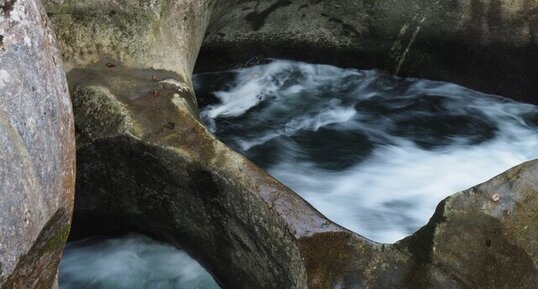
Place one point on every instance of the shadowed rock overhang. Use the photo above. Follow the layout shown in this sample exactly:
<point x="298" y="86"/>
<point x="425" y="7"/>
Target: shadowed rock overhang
<point x="146" y="163"/>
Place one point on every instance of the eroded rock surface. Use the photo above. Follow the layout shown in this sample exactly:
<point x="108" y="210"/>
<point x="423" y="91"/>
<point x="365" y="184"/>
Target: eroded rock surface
<point x="146" y="163"/>
<point x="173" y="180"/>
<point x="490" y="46"/>
<point x="37" y="149"/>
<point x="484" y="237"/>
<point x="159" y="34"/>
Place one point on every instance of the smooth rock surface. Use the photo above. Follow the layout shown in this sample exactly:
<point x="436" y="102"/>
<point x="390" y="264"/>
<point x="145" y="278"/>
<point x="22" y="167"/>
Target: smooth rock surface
<point x="159" y="34"/>
<point x="490" y="45"/>
<point x="147" y="164"/>
<point x="37" y="149"/>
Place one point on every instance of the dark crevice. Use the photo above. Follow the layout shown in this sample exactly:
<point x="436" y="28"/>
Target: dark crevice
<point x="421" y="243"/>
<point x="257" y="20"/>
<point x="7" y="6"/>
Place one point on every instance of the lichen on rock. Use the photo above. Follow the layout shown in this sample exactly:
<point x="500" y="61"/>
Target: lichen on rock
<point x="37" y="161"/>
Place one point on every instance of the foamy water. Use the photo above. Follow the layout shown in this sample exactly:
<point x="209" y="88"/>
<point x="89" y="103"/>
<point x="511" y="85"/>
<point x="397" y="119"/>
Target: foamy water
<point x="130" y="262"/>
<point x="372" y="152"/>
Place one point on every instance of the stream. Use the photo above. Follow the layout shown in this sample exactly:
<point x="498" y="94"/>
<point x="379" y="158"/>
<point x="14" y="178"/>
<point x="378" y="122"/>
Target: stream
<point x="372" y="152"/>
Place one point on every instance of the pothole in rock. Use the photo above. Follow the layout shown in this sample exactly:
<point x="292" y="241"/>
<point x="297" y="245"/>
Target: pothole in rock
<point x="372" y="152"/>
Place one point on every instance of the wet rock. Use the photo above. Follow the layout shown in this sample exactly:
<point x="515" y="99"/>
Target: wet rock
<point x="179" y="184"/>
<point x="484" y="237"/>
<point x="37" y="155"/>
<point x="471" y="241"/>
<point x="147" y="164"/>
<point x="488" y="45"/>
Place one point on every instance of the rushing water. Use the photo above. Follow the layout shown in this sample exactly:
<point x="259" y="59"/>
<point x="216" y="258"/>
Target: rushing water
<point x="130" y="262"/>
<point x="372" y="152"/>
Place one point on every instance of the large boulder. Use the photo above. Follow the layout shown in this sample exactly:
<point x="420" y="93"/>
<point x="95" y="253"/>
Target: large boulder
<point x="157" y="34"/>
<point x="147" y="164"/>
<point x="484" y="237"/>
<point x="37" y="149"/>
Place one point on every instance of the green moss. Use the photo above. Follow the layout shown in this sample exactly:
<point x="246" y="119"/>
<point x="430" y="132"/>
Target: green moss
<point x="114" y="31"/>
<point x="37" y="268"/>
<point x="58" y="239"/>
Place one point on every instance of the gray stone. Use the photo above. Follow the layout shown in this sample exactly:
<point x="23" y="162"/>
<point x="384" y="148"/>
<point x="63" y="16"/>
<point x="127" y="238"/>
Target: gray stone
<point x="488" y="45"/>
<point x="147" y="164"/>
<point x="37" y="149"/>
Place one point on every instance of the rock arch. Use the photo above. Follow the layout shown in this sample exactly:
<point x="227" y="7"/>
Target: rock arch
<point x="146" y="163"/>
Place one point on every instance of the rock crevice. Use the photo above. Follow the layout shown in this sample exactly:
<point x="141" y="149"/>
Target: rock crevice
<point x="147" y="164"/>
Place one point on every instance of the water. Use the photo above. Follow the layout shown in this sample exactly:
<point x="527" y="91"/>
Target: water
<point x="130" y="262"/>
<point x="372" y="152"/>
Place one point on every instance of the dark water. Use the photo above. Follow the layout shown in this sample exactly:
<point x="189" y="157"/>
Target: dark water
<point x="372" y="152"/>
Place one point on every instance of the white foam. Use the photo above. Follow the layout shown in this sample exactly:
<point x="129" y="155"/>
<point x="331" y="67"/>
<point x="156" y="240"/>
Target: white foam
<point x="396" y="189"/>
<point x="132" y="262"/>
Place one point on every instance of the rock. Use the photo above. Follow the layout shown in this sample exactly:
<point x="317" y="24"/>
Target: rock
<point x="147" y="164"/>
<point x="158" y="34"/>
<point x="490" y="45"/>
<point x="484" y="237"/>
<point x="37" y="156"/>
